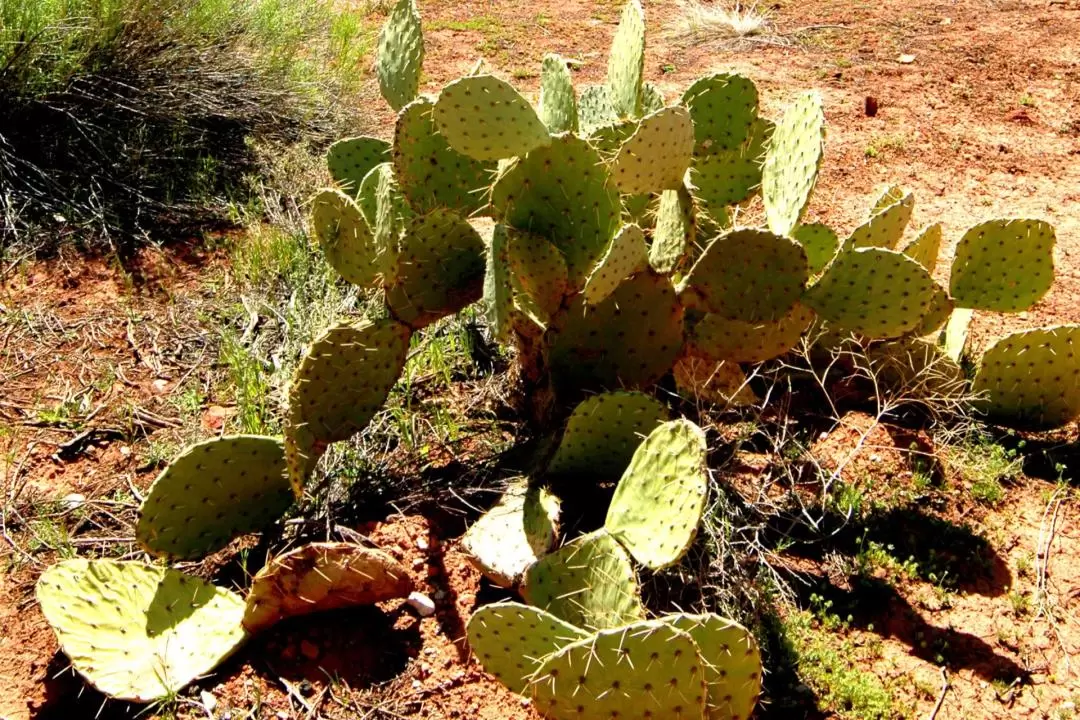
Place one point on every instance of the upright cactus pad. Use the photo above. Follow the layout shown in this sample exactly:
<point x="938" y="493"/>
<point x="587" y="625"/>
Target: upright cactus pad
<point x="626" y="64"/>
<point x="718" y="338"/>
<point x="875" y="292"/>
<point x="319" y="577"/>
<point x="596" y="108"/>
<point x="564" y="193"/>
<point x="603" y="432"/>
<point x="485" y="118"/>
<point x="1031" y="379"/>
<point x="430" y="172"/>
<point x="941" y="307"/>
<point x="344" y="236"/>
<point x="924" y="249"/>
<point x="511" y="640"/>
<point x="724" y="108"/>
<point x="558" y="102"/>
<point x="213" y="492"/>
<point x="887" y="196"/>
<point x="728" y="278"/>
<point x="658" y="503"/>
<point x="719" y="383"/>
<point x="139" y="632"/>
<point x="512" y="534"/>
<point x="498" y="293"/>
<point x="1003" y="265"/>
<point x="657" y="155"/>
<point x="400" y="55"/>
<point x="885" y="228"/>
<point x="350" y="160"/>
<point x="674" y="231"/>
<point x="440" y="269"/>
<point x="339" y="386"/>
<point x="652" y="99"/>
<point x="629" y="340"/>
<point x="729" y="177"/>
<point x="392" y="214"/>
<point x="820" y="243"/>
<point x="367" y="195"/>
<point x="732" y="663"/>
<point x="539" y="269"/>
<point x="954" y="337"/>
<point x="792" y="163"/>
<point x="645" y="670"/>
<point x="626" y="255"/>
<point x="589" y="582"/>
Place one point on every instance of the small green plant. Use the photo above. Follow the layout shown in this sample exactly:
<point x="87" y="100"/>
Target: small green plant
<point x="1019" y="603"/>
<point x="1027" y="100"/>
<point x="985" y="465"/>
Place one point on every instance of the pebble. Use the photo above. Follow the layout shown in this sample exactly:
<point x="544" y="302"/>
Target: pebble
<point x="422" y="543"/>
<point x="422" y="604"/>
<point x="74" y="501"/>
<point x="208" y="700"/>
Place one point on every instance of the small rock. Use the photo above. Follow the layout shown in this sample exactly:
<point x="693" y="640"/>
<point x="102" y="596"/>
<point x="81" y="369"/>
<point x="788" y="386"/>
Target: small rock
<point x="422" y="543"/>
<point x="1068" y="706"/>
<point x="74" y="501"/>
<point x="125" y="451"/>
<point x="416" y="684"/>
<point x="870" y="106"/>
<point x="906" y="59"/>
<point x="422" y="604"/>
<point x="439" y="595"/>
<point x="161" y="385"/>
<point x="208" y="700"/>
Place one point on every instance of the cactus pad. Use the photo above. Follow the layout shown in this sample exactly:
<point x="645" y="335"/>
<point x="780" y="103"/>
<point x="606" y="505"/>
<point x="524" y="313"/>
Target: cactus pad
<point x="792" y="163"/>
<point x="625" y="256"/>
<point x="511" y="640"/>
<point x="511" y="535"/>
<point x="498" y="293"/>
<point x="626" y="64"/>
<point x="588" y="582"/>
<point x="889" y="196"/>
<point x="749" y="275"/>
<point x="645" y="670"/>
<point x="629" y="340"/>
<point x="925" y="248"/>
<point x="558" y="102"/>
<point x="319" y="577"/>
<point x="652" y="99"/>
<point x="595" y="109"/>
<point x="820" y="243"/>
<point x="350" y="160"/>
<point x="941" y="307"/>
<point x="724" y="107"/>
<point x="539" y="269"/>
<point x="732" y="663"/>
<point x="608" y="139"/>
<point x="344" y="236"/>
<point x="135" y="631"/>
<point x="1003" y="265"/>
<point x="718" y="338"/>
<point x="485" y="118"/>
<point x="885" y="228"/>
<point x="213" y="492"/>
<point x="728" y="177"/>
<point x="1031" y="379"/>
<point x="564" y="193"/>
<point x="954" y="337"/>
<point x="432" y="174"/>
<point x="875" y="292"/>
<point x="673" y="235"/>
<point x="367" y="195"/>
<point x="657" y="155"/>
<point x="440" y="269"/>
<point x="709" y="382"/>
<point x="659" y="501"/>
<point x="400" y="55"/>
<point x="603" y="432"/>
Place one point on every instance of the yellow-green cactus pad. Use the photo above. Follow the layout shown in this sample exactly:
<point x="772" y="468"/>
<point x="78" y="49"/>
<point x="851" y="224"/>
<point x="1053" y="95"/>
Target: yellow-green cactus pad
<point x="924" y="249"/>
<point x="657" y="155"/>
<point x="626" y="255"/>
<point x="539" y="269"/>
<point x="820" y="243"/>
<point x="652" y="99"/>
<point x="213" y="492"/>
<point x="401" y="55"/>
<point x="715" y="337"/>
<point x="595" y="109"/>
<point x="885" y="228"/>
<point x="721" y="384"/>
<point x="889" y="195"/>
<point x="139" y="632"/>
<point x="1003" y="265"/>
<point x="792" y="162"/>
<point x="722" y="178"/>
<point x="608" y="139"/>
<point x="674" y="233"/>
<point x="498" y="292"/>
<point x="344" y="236"/>
<point x="485" y="118"/>
<point x="558" y="101"/>
<point x="954" y="337"/>
<point x="724" y="107"/>
<point x="626" y="64"/>
<point x="658" y="503"/>
<point x="351" y="159"/>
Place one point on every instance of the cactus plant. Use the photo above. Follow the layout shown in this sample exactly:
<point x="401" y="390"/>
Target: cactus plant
<point x="626" y="255"/>
<point x="401" y="55"/>
<point x="485" y="118"/>
<point x="603" y="433"/>
<point x="886" y="225"/>
<point x="626" y="63"/>
<point x="350" y="160"/>
<point x="1003" y="265"/>
<point x="558" y="100"/>
<point x="657" y="155"/>
<point x="820" y="243"/>
<point x="792" y="163"/>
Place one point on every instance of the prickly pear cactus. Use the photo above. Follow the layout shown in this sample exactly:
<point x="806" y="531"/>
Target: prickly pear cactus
<point x="350" y="160"/>
<point x="1003" y="265"/>
<point x="724" y="108"/>
<point x="729" y="177"/>
<point x="344" y="236"/>
<point x="400" y="55"/>
<point x="715" y="337"/>
<point x="213" y="492"/>
<point x="319" y="577"/>
<point x="558" y="101"/>
<point x="712" y="383"/>
<point x="139" y="632"/>
<point x="539" y="270"/>
<point x="626" y="255"/>
<point x="674" y="231"/>
<point x="626" y="64"/>
<point x="485" y="118"/>
<point x="820" y="243"/>
<point x="792" y="162"/>
<point x="886" y="225"/>
<point x="603" y="433"/>
<point x="511" y="640"/>
<point x="498" y="293"/>
<point x="924" y="249"/>
<point x="656" y="156"/>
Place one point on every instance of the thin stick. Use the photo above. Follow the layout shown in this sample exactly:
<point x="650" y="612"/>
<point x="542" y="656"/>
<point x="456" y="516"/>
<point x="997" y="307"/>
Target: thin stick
<point x="941" y="695"/>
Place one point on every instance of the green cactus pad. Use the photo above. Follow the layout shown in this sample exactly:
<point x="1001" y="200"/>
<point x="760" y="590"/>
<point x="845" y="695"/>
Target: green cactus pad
<point x="392" y="214"/>
<point x="511" y="640"/>
<point x="875" y="292"/>
<point x="889" y="196"/>
<point x="674" y="234"/>
<point x="432" y="174"/>
<point x="589" y="582"/>
<point x="886" y="228"/>
<point x="820" y="243"/>
<point x="941" y="307"/>
<point x="525" y="304"/>
<point x="659" y="501"/>
<point x="715" y="337"/>
<point x="603" y="432"/>
<point x="721" y="384"/>
<point x="1003" y="265"/>
<point x="626" y="255"/>
<point x="558" y="102"/>
<point x="401" y="55"/>
<point x="609" y="139"/>
<point x="322" y="576"/>
<point x="726" y="177"/>
<point x="626" y="64"/>
<point x="644" y="670"/>
<point x="732" y="663"/>
<point x="627" y="341"/>
<point x="350" y="160"/>
<point x="498" y="293"/>
<point x="138" y="632"/>
<point x="485" y="118"/>
<point x="367" y="198"/>
<point x="440" y="269"/>
<point x="954" y="337"/>
<point x="925" y="248"/>
<point x="596" y="109"/>
<point x="792" y="163"/>
<point x="652" y="99"/>
<point x="749" y="275"/>
<point x="339" y="386"/>
<point x="564" y="193"/>
<point x="213" y="492"/>
<point x="657" y="155"/>
<point x="724" y="108"/>
<point x="1031" y="379"/>
<point x="513" y="534"/>
<point x="539" y="269"/>
<point x="344" y="237"/>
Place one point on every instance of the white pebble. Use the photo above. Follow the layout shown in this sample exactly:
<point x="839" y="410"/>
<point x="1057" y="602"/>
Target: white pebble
<point x="74" y="501"/>
<point x="422" y="604"/>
